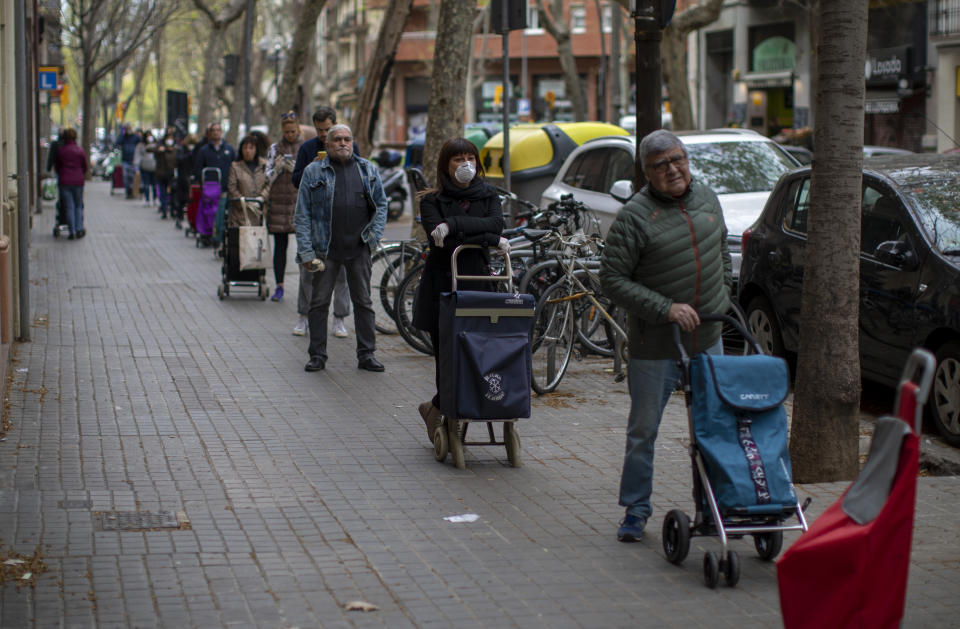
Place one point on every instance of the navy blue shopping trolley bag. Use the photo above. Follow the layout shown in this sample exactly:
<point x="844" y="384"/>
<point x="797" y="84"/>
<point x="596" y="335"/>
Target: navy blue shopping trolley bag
<point x="485" y="359"/>
<point x="741" y="429"/>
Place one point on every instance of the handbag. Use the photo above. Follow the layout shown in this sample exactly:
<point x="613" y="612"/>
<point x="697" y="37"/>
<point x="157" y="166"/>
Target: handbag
<point x="253" y="242"/>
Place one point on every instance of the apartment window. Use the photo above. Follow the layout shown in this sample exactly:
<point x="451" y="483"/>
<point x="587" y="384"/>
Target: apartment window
<point x="607" y="18"/>
<point x="533" y="18"/>
<point x="578" y="18"/>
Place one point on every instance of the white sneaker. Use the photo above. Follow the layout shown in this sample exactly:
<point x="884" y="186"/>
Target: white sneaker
<point x="301" y="328"/>
<point x="339" y="329"/>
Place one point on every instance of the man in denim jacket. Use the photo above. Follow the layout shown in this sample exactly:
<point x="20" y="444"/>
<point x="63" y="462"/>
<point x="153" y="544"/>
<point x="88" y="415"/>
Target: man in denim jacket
<point x="340" y="216"/>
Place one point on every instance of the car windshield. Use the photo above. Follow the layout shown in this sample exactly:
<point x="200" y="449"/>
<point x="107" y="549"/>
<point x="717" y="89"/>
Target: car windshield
<point x="736" y="167"/>
<point x="937" y="202"/>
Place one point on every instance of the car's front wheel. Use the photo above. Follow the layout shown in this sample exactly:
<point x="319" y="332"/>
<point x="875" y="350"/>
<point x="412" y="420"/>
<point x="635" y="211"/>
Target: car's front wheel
<point x="763" y="325"/>
<point x="944" y="402"/>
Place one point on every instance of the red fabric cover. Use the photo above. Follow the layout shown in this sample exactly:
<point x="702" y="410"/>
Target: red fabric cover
<point x="841" y="574"/>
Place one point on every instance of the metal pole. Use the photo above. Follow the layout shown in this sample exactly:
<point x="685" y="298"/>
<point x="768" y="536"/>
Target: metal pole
<point x="602" y="79"/>
<point x="23" y="172"/>
<point x="505" y="24"/>
<point x="649" y="83"/>
<point x="247" y="44"/>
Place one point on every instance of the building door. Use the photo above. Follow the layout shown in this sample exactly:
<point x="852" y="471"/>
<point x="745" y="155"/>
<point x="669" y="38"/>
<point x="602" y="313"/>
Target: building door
<point x="717" y="107"/>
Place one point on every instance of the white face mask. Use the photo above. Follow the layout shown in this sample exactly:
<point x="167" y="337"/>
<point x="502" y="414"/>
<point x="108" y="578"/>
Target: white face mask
<point x="465" y="172"/>
<point x="169" y="142"/>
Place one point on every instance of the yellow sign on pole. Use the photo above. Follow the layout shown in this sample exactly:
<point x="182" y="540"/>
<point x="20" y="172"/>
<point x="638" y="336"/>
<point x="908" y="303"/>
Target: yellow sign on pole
<point x="64" y="95"/>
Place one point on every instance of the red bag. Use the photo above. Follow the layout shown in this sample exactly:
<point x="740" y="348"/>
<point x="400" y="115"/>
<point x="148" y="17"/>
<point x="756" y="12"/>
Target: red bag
<point x="844" y="574"/>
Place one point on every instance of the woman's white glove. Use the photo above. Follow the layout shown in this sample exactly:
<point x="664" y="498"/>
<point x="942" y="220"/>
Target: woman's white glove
<point x="504" y="245"/>
<point x="438" y="234"/>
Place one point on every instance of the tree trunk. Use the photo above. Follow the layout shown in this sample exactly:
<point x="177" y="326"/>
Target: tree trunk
<point x="159" y="120"/>
<point x="211" y="56"/>
<point x="447" y="87"/>
<point x="287" y="94"/>
<point x="377" y="72"/>
<point x="673" y="52"/>
<point x="825" y="435"/>
<point x="557" y="26"/>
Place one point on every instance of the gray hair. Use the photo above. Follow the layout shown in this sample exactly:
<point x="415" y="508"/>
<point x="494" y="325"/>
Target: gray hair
<point x="659" y="141"/>
<point x="339" y="127"/>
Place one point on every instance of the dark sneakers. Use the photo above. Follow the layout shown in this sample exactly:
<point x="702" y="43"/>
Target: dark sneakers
<point x="631" y="528"/>
<point x="316" y="364"/>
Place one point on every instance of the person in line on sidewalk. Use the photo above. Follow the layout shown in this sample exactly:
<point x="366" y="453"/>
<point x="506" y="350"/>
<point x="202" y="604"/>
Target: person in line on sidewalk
<point x="71" y="166"/>
<point x="127" y="142"/>
<point x="340" y="216"/>
<point x="186" y="163"/>
<point x="461" y="209"/>
<point x="665" y="259"/>
<point x="248" y="178"/>
<point x="283" y="195"/>
<point x="166" y="154"/>
<point x="313" y="150"/>
<point x="219" y="154"/>
<point x="145" y="159"/>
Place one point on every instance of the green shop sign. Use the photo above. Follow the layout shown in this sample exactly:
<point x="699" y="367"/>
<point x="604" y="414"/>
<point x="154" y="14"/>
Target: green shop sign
<point x="774" y="54"/>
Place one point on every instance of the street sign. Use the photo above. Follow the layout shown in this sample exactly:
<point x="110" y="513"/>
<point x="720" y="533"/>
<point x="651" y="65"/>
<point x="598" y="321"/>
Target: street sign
<point x="47" y="78"/>
<point x="523" y="106"/>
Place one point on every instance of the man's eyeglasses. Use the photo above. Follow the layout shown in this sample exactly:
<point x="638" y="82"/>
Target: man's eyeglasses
<point x="664" y="165"/>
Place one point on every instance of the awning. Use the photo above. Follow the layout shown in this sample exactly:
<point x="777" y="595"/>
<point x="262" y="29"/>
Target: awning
<point x="757" y="80"/>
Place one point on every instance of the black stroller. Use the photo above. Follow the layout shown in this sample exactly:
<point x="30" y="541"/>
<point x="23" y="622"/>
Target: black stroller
<point x="742" y="481"/>
<point x="243" y="268"/>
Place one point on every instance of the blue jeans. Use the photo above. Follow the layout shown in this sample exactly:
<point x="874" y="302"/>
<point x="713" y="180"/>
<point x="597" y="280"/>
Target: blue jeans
<point x="163" y="193"/>
<point x="72" y="199"/>
<point x="128" y="172"/>
<point x="651" y="384"/>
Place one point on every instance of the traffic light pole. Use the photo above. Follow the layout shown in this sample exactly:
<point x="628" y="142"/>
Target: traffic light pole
<point x="647" y="35"/>
<point x="505" y="161"/>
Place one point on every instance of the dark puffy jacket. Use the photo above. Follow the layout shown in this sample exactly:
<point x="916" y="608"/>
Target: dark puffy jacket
<point x="662" y="251"/>
<point x="474" y="217"/>
<point x="166" y="161"/>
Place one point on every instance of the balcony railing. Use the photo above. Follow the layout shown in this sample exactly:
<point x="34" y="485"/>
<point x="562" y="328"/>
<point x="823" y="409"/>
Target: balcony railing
<point x="944" y="18"/>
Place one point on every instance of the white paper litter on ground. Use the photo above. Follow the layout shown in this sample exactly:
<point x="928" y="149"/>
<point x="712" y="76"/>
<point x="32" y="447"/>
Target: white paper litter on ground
<point x="466" y="517"/>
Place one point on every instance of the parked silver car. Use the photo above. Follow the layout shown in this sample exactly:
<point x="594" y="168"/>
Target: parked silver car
<point x="740" y="165"/>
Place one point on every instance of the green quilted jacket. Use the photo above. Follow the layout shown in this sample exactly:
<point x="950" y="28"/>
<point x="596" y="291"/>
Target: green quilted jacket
<point x="662" y="250"/>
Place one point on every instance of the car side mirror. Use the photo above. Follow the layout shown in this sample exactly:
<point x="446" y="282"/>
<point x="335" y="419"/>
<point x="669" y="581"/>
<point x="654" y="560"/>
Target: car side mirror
<point x="622" y="190"/>
<point x="897" y="253"/>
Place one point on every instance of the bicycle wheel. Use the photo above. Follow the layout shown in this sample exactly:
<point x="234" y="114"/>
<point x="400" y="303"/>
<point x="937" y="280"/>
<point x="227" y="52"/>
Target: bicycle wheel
<point x="389" y="264"/>
<point x="593" y="329"/>
<point x="403" y="312"/>
<point x="553" y="337"/>
<point x="539" y="277"/>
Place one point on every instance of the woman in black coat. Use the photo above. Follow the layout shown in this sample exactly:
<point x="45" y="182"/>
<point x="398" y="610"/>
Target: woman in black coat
<point x="461" y="209"/>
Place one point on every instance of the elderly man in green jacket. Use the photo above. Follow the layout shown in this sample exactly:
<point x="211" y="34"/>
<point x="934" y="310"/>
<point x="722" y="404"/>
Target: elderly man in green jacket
<point x="665" y="260"/>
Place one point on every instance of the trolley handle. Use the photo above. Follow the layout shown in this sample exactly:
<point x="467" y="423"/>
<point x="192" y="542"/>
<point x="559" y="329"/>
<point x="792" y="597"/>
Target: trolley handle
<point x="481" y="278"/>
<point x="919" y="370"/>
<point x="714" y="317"/>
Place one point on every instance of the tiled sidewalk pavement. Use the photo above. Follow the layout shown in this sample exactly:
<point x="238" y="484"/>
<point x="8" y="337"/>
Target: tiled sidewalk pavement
<point x="142" y="392"/>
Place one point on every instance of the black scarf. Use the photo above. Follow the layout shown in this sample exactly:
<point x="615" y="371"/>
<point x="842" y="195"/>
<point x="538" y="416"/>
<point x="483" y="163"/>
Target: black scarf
<point x="476" y="191"/>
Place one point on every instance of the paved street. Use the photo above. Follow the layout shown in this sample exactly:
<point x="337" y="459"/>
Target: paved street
<point x="142" y="392"/>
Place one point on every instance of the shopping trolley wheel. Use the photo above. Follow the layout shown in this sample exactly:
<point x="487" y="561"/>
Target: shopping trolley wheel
<point x="220" y="292"/>
<point x="731" y="568"/>
<point x="511" y="439"/>
<point x="440" y="444"/>
<point x="711" y="569"/>
<point x="456" y="446"/>
<point x="768" y="545"/>
<point x="676" y="536"/>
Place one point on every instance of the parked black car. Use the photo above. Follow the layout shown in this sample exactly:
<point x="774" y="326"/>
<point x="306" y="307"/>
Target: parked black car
<point x="909" y="271"/>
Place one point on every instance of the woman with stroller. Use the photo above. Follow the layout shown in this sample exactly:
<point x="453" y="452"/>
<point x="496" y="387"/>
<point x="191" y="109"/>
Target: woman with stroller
<point x="144" y="158"/>
<point x="248" y="178"/>
<point x="71" y="166"/>
<point x="460" y="209"/>
<point x="166" y="155"/>
<point x="283" y="195"/>
<point x="186" y="164"/>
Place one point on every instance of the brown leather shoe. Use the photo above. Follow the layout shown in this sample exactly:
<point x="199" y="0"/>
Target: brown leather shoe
<point x="432" y="417"/>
